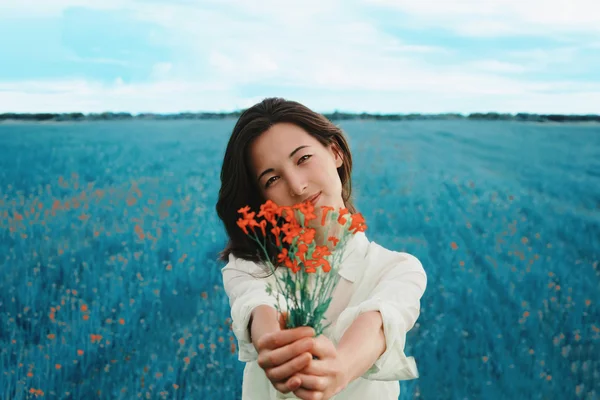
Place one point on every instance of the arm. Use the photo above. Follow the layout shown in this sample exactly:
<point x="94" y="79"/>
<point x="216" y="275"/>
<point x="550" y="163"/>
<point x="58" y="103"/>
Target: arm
<point x="255" y="323"/>
<point x="395" y="294"/>
<point x="263" y="320"/>
<point x="371" y="334"/>
<point x="246" y="292"/>
<point x="362" y="344"/>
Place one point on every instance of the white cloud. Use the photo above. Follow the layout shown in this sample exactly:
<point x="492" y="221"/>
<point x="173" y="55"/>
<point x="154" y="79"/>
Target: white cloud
<point x="502" y="17"/>
<point x="161" y="70"/>
<point x="323" y="54"/>
<point x="54" y="8"/>
<point x="453" y="92"/>
<point x="495" y="66"/>
<point x="85" y="96"/>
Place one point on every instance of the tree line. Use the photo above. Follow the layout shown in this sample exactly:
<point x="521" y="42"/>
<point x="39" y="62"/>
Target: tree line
<point x="335" y="116"/>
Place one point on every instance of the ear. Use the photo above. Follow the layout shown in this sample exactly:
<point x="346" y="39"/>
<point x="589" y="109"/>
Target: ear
<point x="337" y="155"/>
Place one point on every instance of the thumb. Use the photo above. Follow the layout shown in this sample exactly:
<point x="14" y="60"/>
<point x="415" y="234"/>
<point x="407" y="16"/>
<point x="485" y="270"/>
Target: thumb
<point x="323" y="348"/>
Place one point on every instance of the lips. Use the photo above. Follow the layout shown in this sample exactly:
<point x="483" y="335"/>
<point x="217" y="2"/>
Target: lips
<point x="313" y="199"/>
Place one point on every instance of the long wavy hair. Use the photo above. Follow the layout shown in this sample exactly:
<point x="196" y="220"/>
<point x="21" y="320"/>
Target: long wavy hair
<point x="238" y="186"/>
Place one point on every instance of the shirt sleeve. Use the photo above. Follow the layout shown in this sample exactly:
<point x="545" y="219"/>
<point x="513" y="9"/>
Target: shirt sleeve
<point x="246" y="288"/>
<point x="396" y="295"/>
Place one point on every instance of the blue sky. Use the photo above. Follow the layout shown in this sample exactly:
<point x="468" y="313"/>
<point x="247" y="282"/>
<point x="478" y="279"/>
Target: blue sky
<point x="357" y="55"/>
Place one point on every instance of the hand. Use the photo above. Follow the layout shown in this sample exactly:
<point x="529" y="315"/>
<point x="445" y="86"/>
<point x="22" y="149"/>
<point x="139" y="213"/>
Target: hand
<point x="324" y="377"/>
<point x="283" y="353"/>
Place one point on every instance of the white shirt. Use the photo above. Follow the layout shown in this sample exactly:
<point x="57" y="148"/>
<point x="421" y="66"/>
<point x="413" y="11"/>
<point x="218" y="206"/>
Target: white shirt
<point x="372" y="278"/>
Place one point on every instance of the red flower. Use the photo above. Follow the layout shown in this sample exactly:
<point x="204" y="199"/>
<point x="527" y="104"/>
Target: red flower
<point x="357" y="224"/>
<point x="325" y="265"/>
<point x="307" y="209"/>
<point x="243" y="223"/>
<point x="308" y="236"/>
<point x="333" y="240"/>
<point x="293" y="265"/>
<point x="321" y="251"/>
<point x="288" y="214"/>
<point x="291" y="230"/>
<point x="341" y="220"/>
<point x="283" y="256"/>
<point x="244" y="210"/>
<point x="276" y="231"/>
<point x="301" y="251"/>
<point x="263" y="225"/>
<point x="269" y="210"/>
<point x="310" y="266"/>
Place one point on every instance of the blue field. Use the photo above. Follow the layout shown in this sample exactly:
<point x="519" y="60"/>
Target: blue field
<point x="110" y="286"/>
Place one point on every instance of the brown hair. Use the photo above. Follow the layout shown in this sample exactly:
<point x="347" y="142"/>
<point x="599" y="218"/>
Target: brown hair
<point x="238" y="185"/>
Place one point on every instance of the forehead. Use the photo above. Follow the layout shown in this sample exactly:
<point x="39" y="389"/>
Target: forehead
<point x="278" y="142"/>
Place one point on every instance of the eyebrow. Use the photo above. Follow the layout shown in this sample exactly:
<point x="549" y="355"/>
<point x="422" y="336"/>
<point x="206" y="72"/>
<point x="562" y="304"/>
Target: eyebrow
<point x="266" y="171"/>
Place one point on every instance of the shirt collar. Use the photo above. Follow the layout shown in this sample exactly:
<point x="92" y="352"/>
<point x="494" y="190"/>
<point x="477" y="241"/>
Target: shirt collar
<point x="353" y="259"/>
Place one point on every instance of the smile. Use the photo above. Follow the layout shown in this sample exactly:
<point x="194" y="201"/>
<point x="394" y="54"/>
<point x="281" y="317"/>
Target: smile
<point x="314" y="198"/>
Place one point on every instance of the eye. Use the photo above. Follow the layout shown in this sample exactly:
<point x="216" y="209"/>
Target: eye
<point x="304" y="158"/>
<point x="271" y="181"/>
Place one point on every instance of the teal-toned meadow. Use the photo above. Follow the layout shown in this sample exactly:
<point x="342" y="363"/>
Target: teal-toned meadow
<point x="111" y="288"/>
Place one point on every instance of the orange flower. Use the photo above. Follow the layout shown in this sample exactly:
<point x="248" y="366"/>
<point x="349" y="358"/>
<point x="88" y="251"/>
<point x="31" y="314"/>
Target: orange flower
<point x="291" y="230"/>
<point x="310" y="266"/>
<point x="301" y="251"/>
<point x="357" y="224"/>
<point x="263" y="225"/>
<point x="307" y="209"/>
<point x="289" y="214"/>
<point x="308" y="236"/>
<point x="282" y="256"/>
<point x="341" y="220"/>
<point x="293" y="265"/>
<point x="269" y="211"/>
<point x="244" y="211"/>
<point x="325" y="209"/>
<point x="321" y="251"/>
<point x="243" y="223"/>
<point x="333" y="240"/>
<point x="95" y="338"/>
<point x="325" y="265"/>
<point x="276" y="231"/>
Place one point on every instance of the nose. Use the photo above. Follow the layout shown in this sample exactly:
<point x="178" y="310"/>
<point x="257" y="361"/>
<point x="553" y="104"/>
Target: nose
<point x="297" y="184"/>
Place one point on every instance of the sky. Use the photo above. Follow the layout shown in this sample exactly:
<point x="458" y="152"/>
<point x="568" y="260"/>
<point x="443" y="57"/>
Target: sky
<point x="378" y="56"/>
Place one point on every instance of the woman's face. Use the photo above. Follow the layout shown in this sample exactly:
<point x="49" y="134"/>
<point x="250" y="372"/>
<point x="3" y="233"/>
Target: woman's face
<point x="291" y="166"/>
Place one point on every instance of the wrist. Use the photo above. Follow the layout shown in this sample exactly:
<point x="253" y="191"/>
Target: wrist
<point x="263" y="320"/>
<point x="345" y="376"/>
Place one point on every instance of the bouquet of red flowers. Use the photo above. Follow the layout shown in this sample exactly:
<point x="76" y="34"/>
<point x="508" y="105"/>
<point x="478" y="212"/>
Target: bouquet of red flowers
<point x="308" y="252"/>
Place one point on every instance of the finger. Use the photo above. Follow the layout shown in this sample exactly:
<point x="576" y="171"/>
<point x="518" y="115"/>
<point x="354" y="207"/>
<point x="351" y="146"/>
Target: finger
<point x="282" y="387"/>
<point x="294" y="383"/>
<point x="317" y="368"/>
<point x="275" y="358"/>
<point x="282" y="319"/>
<point x="285" y="371"/>
<point x="310" y="382"/>
<point x="305" y="394"/>
<point x="278" y="339"/>
<point x="323" y="348"/>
